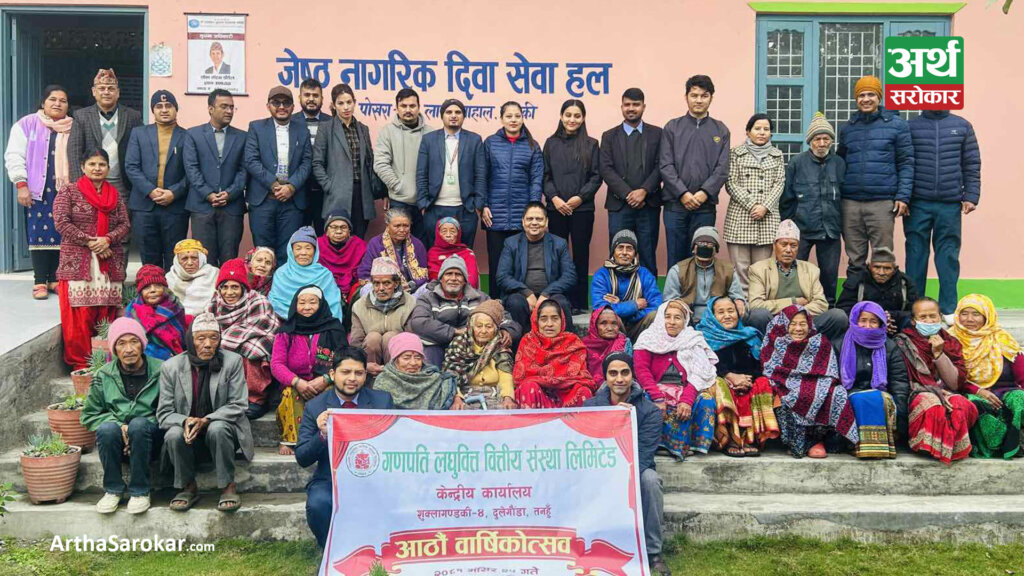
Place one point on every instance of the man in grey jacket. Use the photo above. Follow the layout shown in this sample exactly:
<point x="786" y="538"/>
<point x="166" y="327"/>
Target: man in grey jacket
<point x="203" y="398"/>
<point x="396" y="152"/>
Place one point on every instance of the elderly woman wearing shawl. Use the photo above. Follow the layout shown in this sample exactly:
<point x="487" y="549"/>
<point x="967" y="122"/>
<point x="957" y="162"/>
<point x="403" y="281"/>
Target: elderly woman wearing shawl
<point x="341" y="252"/>
<point x="802" y="367"/>
<point x="677" y="369"/>
<point x="874" y="374"/>
<point x="260" y="262"/>
<point x="191" y="279"/>
<point x="551" y="364"/>
<point x="303" y="268"/>
<point x="303" y="350"/>
<point x="159" y="312"/>
<point x="746" y="413"/>
<point x="447" y="242"/>
<point x="398" y="244"/>
<point x="629" y="288"/>
<point x="606" y="334"/>
<point x="481" y="364"/>
<point x="412" y="384"/>
<point x="247" y="325"/>
<point x="995" y="377"/>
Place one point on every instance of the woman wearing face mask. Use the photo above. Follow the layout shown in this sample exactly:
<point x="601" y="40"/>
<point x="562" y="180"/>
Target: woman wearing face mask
<point x="260" y="262"/>
<point x="448" y="242"/>
<point x="413" y="384"/>
<point x="940" y="416"/>
<point x="341" y="252"/>
<point x="191" y="279"/>
<point x="159" y="313"/>
<point x="551" y="363"/>
<point x="606" y="334"/>
<point x="481" y="363"/>
<point x="302" y="269"/>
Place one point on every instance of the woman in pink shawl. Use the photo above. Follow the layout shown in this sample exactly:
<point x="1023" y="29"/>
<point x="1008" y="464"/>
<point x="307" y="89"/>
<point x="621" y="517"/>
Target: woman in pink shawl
<point x="448" y="242"/>
<point x="606" y="335"/>
<point x="341" y="252"/>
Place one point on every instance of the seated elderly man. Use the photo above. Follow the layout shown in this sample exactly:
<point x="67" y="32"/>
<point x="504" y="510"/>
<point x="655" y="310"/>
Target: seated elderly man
<point x="203" y="399"/>
<point x="703" y="276"/>
<point x="626" y="286"/>
<point x="443" y="311"/>
<point x="381" y="315"/>
<point x="121" y="410"/>
<point x="884" y="284"/>
<point x="782" y="281"/>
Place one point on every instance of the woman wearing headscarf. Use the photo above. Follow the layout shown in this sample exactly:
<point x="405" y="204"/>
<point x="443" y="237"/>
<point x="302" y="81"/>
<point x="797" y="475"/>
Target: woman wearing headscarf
<point x="606" y="334"/>
<point x="874" y="374"/>
<point x="247" y="326"/>
<point x="303" y="268"/>
<point x="744" y="398"/>
<point x="448" y="242"/>
<point x="159" y="313"/>
<point x="551" y="364"/>
<point x="413" y="384"/>
<point x="677" y="369"/>
<point x="482" y="365"/>
<point x="260" y="263"/>
<point x="629" y="288"/>
<point x="38" y="166"/>
<point x="93" y="224"/>
<point x="995" y="377"/>
<point x="191" y="279"/>
<point x="398" y="244"/>
<point x="341" y="252"/>
<point x="802" y="367"/>
<point x="303" y="349"/>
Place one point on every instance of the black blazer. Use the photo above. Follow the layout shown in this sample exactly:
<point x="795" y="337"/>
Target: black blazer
<point x="86" y="134"/>
<point x="208" y="173"/>
<point x="613" y="166"/>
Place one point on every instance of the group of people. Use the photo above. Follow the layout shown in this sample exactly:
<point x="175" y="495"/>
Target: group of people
<point x="729" y="354"/>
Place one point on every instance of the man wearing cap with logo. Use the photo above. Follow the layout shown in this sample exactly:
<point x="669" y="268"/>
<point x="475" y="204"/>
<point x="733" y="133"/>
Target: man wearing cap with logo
<point x="703" y="276"/>
<point x="155" y="166"/>
<point x="279" y="159"/>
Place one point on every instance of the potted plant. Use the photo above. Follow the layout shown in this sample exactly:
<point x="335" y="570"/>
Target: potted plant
<point x="82" y="378"/>
<point x="66" y="419"/>
<point x="128" y="294"/>
<point x="50" y="468"/>
<point x="99" y="341"/>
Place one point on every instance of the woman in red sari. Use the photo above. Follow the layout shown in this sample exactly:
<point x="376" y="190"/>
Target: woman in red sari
<point x="551" y="364"/>
<point x="448" y="242"/>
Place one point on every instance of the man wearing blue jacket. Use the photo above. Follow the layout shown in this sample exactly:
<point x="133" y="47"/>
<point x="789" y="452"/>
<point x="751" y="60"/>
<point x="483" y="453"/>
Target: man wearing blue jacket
<point x="349" y="377"/>
<point x="630" y="289"/>
<point x="947" y="186"/>
<point x="879" y="155"/>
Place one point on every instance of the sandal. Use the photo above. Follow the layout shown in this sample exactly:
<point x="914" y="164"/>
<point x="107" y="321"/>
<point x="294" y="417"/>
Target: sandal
<point x="229" y="502"/>
<point x="734" y="451"/>
<point x="52" y="286"/>
<point x="39" y="292"/>
<point x="189" y="500"/>
<point x="817" y="451"/>
<point x="751" y="452"/>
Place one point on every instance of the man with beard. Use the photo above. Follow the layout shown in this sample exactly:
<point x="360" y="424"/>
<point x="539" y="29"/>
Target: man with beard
<point x="311" y="99"/>
<point x="396" y="154"/>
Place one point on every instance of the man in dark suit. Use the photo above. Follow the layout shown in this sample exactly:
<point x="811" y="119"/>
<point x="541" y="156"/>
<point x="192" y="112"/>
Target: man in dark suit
<point x="155" y="167"/>
<point x="629" y="166"/>
<point x="106" y="124"/>
<point x="349" y="376"/>
<point x="311" y="99"/>
<point x="451" y="175"/>
<point x="278" y="159"/>
<point x="216" y="177"/>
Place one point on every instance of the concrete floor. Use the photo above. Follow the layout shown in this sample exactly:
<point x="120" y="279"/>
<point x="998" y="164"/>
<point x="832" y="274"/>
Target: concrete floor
<point x="21" y="317"/>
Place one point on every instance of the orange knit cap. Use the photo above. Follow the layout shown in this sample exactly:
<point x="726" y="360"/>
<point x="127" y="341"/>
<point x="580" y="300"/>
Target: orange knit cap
<point x="868" y="83"/>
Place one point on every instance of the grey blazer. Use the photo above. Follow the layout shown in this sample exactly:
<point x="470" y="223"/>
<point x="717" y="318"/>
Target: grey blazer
<point x="332" y="168"/>
<point x="228" y="388"/>
<point x="87" y="135"/>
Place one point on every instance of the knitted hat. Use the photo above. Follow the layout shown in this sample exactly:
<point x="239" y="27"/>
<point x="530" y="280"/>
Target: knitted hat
<point x="162" y="96"/>
<point x="491" y="308"/>
<point x="455" y="262"/>
<point x="339" y="215"/>
<point x="189" y="245"/>
<point x="868" y="83"/>
<point x="819" y="125"/>
<point x="624" y="237"/>
<point x="123" y="326"/>
<point x="205" y="322"/>
<point x="706" y="234"/>
<point x="149" y="274"/>
<point x="882" y="255"/>
<point x="788" y="230"/>
<point x="304" y="234"/>
<point x="384" y="266"/>
<point x="233" y="269"/>
<point x="404" y="342"/>
<point x="452" y="102"/>
<point x="312" y="290"/>
<point x="621" y="356"/>
<point x="105" y="76"/>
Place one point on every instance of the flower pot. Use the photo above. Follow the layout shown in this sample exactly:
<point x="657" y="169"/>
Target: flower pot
<point x="82" y="379"/>
<point x="51" y="478"/>
<point x="68" y="424"/>
<point x="100" y="344"/>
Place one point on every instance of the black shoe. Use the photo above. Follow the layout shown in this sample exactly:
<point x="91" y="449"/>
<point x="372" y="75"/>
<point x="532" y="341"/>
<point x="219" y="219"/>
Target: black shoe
<point x="658" y="566"/>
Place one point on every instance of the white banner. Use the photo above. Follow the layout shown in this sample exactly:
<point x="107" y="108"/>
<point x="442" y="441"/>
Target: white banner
<point x="216" y="53"/>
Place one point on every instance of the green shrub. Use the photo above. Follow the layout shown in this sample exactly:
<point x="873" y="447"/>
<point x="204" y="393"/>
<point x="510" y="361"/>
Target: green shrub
<point x="5" y="497"/>
<point x="97" y="360"/>
<point x="44" y="446"/>
<point x="103" y="328"/>
<point x="72" y="402"/>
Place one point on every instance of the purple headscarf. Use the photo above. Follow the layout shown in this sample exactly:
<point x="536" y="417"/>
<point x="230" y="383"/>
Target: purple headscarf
<point x="871" y="338"/>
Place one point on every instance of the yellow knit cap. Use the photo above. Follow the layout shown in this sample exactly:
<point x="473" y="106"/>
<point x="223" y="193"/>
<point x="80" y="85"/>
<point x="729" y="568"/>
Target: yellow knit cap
<point x="188" y="245"/>
<point x="867" y="83"/>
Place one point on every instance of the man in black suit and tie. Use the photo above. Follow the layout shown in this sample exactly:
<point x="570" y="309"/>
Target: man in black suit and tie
<point x="349" y="377"/>
<point x="216" y="176"/>
<point x="311" y="99"/>
<point x="279" y="159"/>
<point x="629" y="166"/>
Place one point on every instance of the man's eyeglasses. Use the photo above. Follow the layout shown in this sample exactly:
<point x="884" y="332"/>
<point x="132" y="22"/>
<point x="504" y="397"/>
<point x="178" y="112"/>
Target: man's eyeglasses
<point x="279" y="104"/>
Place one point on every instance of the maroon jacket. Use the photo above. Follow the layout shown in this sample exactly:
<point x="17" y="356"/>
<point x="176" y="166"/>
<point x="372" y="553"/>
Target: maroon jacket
<point x="75" y="219"/>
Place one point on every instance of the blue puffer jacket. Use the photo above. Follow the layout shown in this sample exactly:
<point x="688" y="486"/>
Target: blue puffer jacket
<point x="515" y="176"/>
<point x="947" y="161"/>
<point x="879" y="157"/>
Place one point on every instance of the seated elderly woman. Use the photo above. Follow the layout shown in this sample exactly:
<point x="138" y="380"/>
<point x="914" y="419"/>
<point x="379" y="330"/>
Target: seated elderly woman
<point x="381" y="315"/>
<point x="874" y="374"/>
<point x="551" y="364"/>
<point x="448" y="242"/>
<point x="398" y="244"/>
<point x="606" y="334"/>
<point x="677" y="369"/>
<point x="260" y="263"/>
<point x="482" y="362"/>
<point x="191" y="279"/>
<point x="341" y="252"/>
<point x="303" y="350"/>
<point x="802" y="367"/>
<point x="995" y="377"/>
<point x="303" y="268"/>
<point x="159" y="313"/>
<point x="247" y="326"/>
<point x="629" y="288"/>
<point x="746" y="413"/>
<point x="412" y="384"/>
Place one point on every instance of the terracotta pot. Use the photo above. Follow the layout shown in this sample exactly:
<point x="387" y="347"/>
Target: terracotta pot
<point x="100" y="344"/>
<point x="82" y="379"/>
<point x="51" y="478"/>
<point x="68" y="424"/>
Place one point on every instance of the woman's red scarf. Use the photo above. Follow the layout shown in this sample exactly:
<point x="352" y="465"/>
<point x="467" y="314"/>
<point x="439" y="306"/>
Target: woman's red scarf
<point x="558" y="363"/>
<point x="598" y="348"/>
<point x="104" y="201"/>
<point x="953" y="351"/>
<point x="443" y="249"/>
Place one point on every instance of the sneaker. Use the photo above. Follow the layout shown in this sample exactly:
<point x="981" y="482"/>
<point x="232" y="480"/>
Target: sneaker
<point x="947" y="319"/>
<point x="138" y="504"/>
<point x="108" y="504"/>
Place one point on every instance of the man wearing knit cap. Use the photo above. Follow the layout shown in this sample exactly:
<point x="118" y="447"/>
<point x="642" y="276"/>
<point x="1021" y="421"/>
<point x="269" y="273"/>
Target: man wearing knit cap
<point x="627" y="287"/>
<point x="879" y="154"/>
<point x="783" y="280"/>
<point x="703" y="276"/>
<point x="451" y="175"/>
<point x="155" y="167"/>
<point x="444" y="308"/>
<point x="381" y="315"/>
<point x="813" y="200"/>
<point x="121" y="410"/>
<point x="884" y="284"/>
<point x="203" y="399"/>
